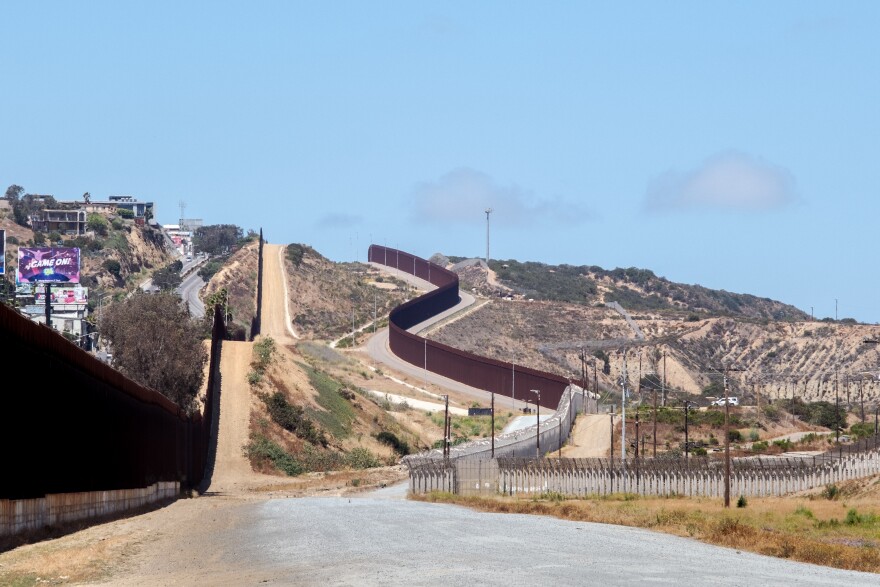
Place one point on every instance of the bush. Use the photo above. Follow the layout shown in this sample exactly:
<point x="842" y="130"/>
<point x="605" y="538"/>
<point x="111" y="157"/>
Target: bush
<point x="830" y="492"/>
<point x="753" y="435"/>
<point x="117" y="224"/>
<point x="400" y="446"/>
<point x="261" y="448"/>
<point x="293" y="419"/>
<point x="125" y="213"/>
<point x="113" y="266"/>
<point x="734" y="436"/>
<point x="39" y="238"/>
<point x="741" y="502"/>
<point x="361" y="458"/>
<point x="771" y="412"/>
<point x="97" y="223"/>
<point x="861" y="430"/>
<point x="760" y="446"/>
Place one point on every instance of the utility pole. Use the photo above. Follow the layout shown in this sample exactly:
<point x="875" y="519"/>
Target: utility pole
<point x="726" y="443"/>
<point x="493" y="425"/>
<point x="446" y="428"/>
<point x="655" y="421"/>
<point x="596" y="382"/>
<point x="687" y="453"/>
<point x="488" y="211"/>
<point x="538" y="435"/>
<point x="836" y="408"/>
<point x="612" y="448"/>
<point x="623" y="414"/>
<point x="835" y="309"/>
<point x="663" y="399"/>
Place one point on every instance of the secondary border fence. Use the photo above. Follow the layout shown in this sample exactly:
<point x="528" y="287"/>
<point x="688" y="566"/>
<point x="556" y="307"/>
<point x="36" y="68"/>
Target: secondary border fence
<point x="503" y="378"/>
<point x="74" y="428"/>
<point x="749" y="476"/>
<point x="257" y="320"/>
<point x="554" y="431"/>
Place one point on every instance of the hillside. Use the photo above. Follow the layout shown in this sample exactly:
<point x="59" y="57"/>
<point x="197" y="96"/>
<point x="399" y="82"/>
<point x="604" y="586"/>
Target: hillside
<point x="635" y="289"/>
<point x="238" y="277"/>
<point x="115" y="257"/>
<point x="327" y="296"/>
<point x="772" y="358"/>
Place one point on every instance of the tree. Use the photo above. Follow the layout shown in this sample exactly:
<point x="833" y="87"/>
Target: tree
<point x="97" y="223"/>
<point x="28" y="205"/>
<point x="156" y="343"/>
<point x="13" y="193"/>
<point x="168" y="278"/>
<point x="216" y="239"/>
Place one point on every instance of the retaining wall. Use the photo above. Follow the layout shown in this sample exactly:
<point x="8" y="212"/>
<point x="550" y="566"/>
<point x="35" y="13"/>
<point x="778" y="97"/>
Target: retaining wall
<point x="28" y="515"/>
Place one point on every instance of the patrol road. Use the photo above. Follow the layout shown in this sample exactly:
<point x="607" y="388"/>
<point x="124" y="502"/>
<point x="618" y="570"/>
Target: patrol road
<point x="381" y="539"/>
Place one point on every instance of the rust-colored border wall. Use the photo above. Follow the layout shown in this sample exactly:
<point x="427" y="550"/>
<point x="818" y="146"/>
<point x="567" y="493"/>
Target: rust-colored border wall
<point x="468" y="368"/>
<point x="70" y="423"/>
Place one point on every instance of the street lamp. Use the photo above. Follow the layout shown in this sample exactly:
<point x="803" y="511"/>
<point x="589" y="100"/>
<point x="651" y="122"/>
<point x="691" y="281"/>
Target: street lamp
<point x="538" y="436"/>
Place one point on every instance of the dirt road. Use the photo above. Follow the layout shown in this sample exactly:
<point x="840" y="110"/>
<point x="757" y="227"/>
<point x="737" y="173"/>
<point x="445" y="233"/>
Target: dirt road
<point x="275" y="320"/>
<point x="591" y="437"/>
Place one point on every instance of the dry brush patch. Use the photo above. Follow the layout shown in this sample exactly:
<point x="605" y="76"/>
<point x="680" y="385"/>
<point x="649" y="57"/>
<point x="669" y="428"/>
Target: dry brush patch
<point x="807" y="528"/>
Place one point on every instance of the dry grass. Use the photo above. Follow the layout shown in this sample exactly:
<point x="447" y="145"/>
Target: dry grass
<point x="807" y="528"/>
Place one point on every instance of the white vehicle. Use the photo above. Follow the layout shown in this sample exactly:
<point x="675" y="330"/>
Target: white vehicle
<point x="733" y="401"/>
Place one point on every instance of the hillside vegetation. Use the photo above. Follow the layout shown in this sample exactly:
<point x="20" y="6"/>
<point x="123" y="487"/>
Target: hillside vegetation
<point x="635" y="289"/>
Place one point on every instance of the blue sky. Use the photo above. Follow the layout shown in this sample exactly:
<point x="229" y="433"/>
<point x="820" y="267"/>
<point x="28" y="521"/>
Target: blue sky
<point x="731" y="144"/>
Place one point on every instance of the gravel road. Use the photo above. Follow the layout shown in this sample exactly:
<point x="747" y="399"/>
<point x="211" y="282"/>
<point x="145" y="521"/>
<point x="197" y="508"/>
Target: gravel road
<point x="380" y="539"/>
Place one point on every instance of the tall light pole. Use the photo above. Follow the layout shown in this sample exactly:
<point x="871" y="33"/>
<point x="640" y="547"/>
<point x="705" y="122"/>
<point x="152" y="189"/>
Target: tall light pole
<point x="488" y="211"/>
<point x="538" y="436"/>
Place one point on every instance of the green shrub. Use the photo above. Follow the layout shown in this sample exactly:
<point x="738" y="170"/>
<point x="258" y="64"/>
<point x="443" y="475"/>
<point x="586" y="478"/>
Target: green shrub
<point x="117" y="224"/>
<point x="784" y="444"/>
<point x="753" y="435"/>
<point x="741" y="502"/>
<point x="113" y="266"/>
<point x="97" y="223"/>
<point x="362" y="458"/>
<point x="803" y="511"/>
<point x="861" y="430"/>
<point x="760" y="446"/>
<point x="125" y="213"/>
<point x="700" y="452"/>
<point x="734" y="436"/>
<point x="293" y="419"/>
<point x="830" y="492"/>
<point x="262" y="449"/>
<point x="771" y="412"/>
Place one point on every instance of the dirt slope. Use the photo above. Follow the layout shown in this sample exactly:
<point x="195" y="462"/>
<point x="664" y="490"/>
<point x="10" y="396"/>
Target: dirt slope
<point x="274" y="319"/>
<point x="232" y="471"/>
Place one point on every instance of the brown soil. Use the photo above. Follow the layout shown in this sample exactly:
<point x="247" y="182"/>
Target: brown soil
<point x="129" y="551"/>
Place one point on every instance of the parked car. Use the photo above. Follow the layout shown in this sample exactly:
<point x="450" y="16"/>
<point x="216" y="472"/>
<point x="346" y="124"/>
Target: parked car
<point x="733" y="401"/>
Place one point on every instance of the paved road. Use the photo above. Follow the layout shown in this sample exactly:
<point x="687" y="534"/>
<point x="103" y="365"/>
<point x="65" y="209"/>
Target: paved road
<point x="378" y="350"/>
<point x="189" y="291"/>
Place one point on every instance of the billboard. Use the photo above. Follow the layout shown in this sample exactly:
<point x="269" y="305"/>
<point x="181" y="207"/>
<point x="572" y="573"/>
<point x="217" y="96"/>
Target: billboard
<point x="2" y="251"/>
<point x="48" y="265"/>
<point x="68" y="294"/>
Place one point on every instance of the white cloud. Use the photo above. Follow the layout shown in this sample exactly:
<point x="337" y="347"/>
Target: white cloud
<point x="727" y="181"/>
<point x="463" y="195"/>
